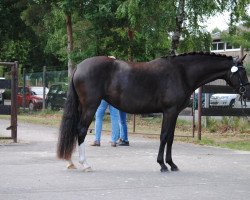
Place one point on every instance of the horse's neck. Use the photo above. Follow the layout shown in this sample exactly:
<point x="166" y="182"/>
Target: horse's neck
<point x="207" y="70"/>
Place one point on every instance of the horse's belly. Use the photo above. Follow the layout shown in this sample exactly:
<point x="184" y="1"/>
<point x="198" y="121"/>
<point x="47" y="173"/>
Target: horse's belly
<point x="138" y="106"/>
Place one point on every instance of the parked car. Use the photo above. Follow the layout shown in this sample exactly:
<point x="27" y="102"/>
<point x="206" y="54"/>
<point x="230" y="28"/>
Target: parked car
<point x="1" y="96"/>
<point x="56" y="96"/>
<point x="238" y="103"/>
<point x="33" y="97"/>
<point x="1" y="93"/>
<point x="222" y="100"/>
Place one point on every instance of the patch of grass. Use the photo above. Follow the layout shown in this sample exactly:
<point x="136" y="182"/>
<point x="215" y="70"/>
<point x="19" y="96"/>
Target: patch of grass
<point x="51" y="118"/>
<point x="228" y="124"/>
<point x="233" y="133"/>
<point x="205" y="141"/>
<point x="239" y="145"/>
<point x="212" y="125"/>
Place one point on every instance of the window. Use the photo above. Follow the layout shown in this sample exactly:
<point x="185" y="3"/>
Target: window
<point x="217" y="46"/>
<point x="214" y="46"/>
<point x="54" y="88"/>
<point x="221" y="46"/>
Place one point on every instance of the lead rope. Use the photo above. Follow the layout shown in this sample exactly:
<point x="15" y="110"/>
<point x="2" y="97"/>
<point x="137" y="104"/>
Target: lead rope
<point x="243" y="100"/>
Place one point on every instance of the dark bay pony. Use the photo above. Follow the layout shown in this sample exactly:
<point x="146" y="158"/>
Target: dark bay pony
<point x="162" y="85"/>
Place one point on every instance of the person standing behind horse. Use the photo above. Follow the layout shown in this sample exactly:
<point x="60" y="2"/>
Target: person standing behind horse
<point x="123" y="140"/>
<point x="115" y="129"/>
<point x="119" y="130"/>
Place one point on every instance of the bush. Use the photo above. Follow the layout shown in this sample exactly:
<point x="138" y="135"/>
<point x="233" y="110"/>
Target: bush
<point x="212" y="125"/>
<point x="7" y="94"/>
<point x="233" y="124"/>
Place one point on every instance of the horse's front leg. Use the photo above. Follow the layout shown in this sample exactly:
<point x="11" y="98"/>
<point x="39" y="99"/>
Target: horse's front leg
<point x="170" y="139"/>
<point x="167" y="135"/>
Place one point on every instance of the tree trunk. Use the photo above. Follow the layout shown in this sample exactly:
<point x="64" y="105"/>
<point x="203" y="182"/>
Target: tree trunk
<point x="130" y="38"/>
<point x="178" y="28"/>
<point x="70" y="45"/>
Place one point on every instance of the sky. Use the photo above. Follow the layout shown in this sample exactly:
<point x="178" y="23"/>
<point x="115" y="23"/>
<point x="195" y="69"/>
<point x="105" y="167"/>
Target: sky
<point x="220" y="21"/>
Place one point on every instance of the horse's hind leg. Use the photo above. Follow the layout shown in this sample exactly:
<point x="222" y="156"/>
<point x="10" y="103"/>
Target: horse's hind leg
<point x="86" y="117"/>
<point x="167" y="135"/>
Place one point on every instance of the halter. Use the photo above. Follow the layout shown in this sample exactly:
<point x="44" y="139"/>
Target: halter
<point x="241" y="89"/>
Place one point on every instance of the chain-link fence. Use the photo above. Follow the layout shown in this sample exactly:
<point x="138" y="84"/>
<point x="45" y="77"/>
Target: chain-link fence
<point x="37" y="90"/>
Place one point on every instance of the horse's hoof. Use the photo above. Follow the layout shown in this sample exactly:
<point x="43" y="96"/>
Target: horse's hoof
<point x="71" y="166"/>
<point x="174" y="169"/>
<point x="164" y="169"/>
<point x="88" y="169"/>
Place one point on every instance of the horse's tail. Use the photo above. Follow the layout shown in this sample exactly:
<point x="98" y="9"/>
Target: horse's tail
<point x="68" y="133"/>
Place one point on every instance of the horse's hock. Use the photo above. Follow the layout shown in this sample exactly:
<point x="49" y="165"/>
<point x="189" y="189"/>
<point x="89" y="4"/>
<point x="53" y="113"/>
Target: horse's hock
<point x="10" y="109"/>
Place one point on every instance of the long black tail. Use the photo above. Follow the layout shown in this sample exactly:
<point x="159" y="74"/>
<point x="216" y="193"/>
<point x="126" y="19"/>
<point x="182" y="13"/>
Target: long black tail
<point x="68" y="130"/>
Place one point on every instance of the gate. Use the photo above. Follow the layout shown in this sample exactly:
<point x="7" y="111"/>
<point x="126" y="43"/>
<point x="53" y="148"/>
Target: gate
<point x="11" y="109"/>
<point x="217" y="111"/>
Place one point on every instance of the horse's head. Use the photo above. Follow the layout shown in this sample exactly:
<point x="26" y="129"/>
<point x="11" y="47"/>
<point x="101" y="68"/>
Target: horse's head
<point x="237" y="78"/>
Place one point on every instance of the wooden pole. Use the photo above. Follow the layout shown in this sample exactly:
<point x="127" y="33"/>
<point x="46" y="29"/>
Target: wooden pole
<point x="24" y="90"/>
<point x="14" y="85"/>
<point x="199" y="112"/>
<point x="44" y="86"/>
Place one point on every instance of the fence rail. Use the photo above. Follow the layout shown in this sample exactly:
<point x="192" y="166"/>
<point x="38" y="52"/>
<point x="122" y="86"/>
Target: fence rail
<point x="217" y="111"/>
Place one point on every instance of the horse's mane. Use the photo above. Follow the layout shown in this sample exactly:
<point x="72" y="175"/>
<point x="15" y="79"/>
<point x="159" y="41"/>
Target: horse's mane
<point x="200" y="53"/>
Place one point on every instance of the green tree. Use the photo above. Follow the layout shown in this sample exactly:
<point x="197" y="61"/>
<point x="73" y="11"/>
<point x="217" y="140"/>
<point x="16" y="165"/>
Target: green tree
<point x="14" y="44"/>
<point x="241" y="35"/>
<point x="123" y="28"/>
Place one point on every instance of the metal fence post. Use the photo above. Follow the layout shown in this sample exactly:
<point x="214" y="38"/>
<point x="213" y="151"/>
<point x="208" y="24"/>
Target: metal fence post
<point x="44" y="86"/>
<point x="193" y="114"/>
<point x="199" y="111"/>
<point x="14" y="85"/>
<point x="133" y="123"/>
<point x="24" y="89"/>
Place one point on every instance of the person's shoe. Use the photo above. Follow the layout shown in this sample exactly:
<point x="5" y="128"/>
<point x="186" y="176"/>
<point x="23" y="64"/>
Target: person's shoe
<point x="96" y="144"/>
<point x="113" y="144"/>
<point x="122" y="143"/>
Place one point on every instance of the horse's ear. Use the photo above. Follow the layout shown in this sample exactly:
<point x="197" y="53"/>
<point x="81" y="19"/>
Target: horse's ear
<point x="236" y="59"/>
<point x="241" y="59"/>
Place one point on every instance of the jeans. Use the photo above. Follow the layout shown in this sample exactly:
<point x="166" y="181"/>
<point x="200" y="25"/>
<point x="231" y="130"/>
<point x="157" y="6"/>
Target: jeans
<point x="123" y="126"/>
<point x="114" y="115"/>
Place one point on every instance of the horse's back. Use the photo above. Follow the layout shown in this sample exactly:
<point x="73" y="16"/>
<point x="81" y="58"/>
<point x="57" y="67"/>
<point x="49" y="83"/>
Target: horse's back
<point x="93" y="63"/>
<point x="94" y="67"/>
